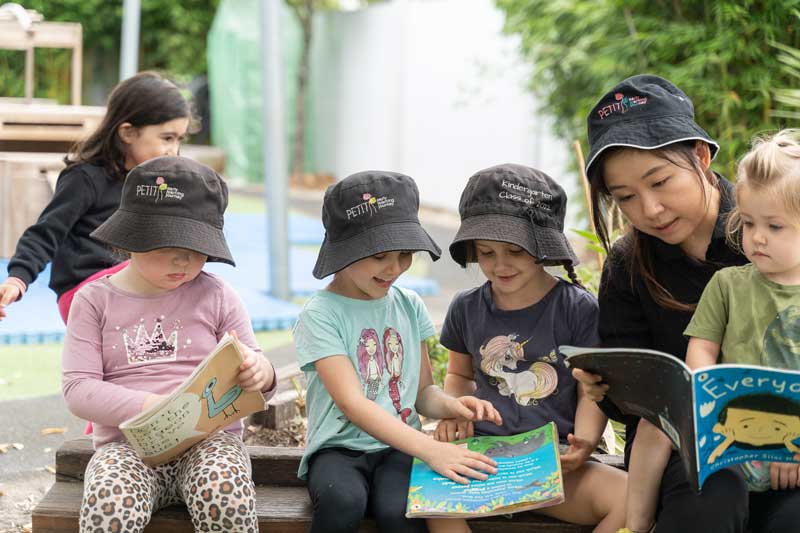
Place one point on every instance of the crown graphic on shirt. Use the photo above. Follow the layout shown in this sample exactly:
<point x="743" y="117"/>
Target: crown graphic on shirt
<point x="153" y="346"/>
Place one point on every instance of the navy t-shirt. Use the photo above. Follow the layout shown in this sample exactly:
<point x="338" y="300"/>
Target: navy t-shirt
<point x="514" y="354"/>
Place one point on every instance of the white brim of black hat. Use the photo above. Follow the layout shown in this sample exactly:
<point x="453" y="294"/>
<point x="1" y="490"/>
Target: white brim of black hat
<point x="139" y="233"/>
<point x="548" y="245"/>
<point x="650" y="135"/>
<point x="397" y="236"/>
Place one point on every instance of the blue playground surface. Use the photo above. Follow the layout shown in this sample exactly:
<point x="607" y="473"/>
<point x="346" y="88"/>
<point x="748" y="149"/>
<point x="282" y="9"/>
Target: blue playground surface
<point x="35" y="318"/>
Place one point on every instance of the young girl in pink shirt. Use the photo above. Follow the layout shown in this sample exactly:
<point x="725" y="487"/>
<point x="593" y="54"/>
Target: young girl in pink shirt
<point x="135" y="335"/>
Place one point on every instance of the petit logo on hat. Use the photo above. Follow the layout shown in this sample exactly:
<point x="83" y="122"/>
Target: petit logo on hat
<point x="160" y="191"/>
<point x="622" y="104"/>
<point x="369" y="205"/>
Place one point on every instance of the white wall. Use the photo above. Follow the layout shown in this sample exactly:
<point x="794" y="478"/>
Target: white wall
<point x="430" y="88"/>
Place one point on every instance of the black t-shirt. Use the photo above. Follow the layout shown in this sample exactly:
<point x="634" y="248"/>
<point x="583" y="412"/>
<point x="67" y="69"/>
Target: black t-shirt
<point x="630" y="317"/>
<point x="85" y="196"/>
<point x="514" y="358"/>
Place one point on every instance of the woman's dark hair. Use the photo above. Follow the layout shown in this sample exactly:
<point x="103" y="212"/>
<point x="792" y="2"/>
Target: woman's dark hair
<point x="641" y="259"/>
<point x="142" y="100"/>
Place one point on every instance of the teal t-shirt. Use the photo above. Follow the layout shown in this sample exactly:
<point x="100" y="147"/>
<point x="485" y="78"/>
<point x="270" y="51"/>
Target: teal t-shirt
<point x="382" y="339"/>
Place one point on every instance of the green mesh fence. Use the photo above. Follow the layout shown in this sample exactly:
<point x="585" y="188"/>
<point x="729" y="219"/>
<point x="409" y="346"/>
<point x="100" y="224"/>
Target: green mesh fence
<point x="234" y="74"/>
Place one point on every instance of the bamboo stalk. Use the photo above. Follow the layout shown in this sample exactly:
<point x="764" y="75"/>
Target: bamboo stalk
<point x="587" y="195"/>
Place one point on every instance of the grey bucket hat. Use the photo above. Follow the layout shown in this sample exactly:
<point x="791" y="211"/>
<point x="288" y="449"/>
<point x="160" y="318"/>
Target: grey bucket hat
<point x="170" y="202"/>
<point x="369" y="213"/>
<point x="515" y="204"/>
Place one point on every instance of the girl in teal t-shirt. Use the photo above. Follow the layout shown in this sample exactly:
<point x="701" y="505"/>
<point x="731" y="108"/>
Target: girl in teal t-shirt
<point x="361" y="345"/>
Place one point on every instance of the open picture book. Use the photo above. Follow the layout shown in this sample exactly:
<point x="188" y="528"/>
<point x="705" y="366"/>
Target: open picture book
<point x="528" y="477"/>
<point x="716" y="416"/>
<point x="208" y="400"/>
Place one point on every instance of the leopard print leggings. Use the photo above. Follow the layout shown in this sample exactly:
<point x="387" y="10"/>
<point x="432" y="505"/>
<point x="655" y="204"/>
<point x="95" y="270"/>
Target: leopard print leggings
<point x="213" y="478"/>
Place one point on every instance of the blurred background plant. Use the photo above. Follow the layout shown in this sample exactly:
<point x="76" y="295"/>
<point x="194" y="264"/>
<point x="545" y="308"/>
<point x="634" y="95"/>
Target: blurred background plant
<point x="722" y="53"/>
<point x="177" y="48"/>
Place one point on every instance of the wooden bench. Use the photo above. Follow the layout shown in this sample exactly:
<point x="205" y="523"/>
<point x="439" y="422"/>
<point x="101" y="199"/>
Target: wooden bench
<point x="283" y="504"/>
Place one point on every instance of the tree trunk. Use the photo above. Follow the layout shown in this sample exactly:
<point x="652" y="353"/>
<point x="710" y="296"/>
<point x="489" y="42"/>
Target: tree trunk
<point x="305" y="14"/>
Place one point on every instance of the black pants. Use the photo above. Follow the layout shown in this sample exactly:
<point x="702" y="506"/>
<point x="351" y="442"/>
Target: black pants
<point x="720" y="508"/>
<point x="775" y="511"/>
<point x="344" y="484"/>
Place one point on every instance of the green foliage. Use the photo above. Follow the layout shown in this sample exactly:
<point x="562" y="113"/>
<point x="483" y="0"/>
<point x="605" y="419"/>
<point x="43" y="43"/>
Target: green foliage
<point x="438" y="356"/>
<point x="173" y="41"/>
<point x="720" y="52"/>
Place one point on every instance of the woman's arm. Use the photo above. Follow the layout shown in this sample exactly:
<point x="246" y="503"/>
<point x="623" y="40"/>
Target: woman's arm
<point x="456" y="463"/>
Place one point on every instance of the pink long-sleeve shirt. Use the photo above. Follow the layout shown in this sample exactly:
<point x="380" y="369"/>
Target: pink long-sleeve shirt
<point x="120" y="346"/>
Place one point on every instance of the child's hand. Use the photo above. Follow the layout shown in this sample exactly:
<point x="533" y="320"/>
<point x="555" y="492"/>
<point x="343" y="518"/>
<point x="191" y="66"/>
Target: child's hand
<point x="150" y="401"/>
<point x="449" y="429"/>
<point x="471" y="408"/>
<point x="784" y="476"/>
<point x="454" y="462"/>
<point x="576" y="454"/>
<point x="591" y="385"/>
<point x="255" y="372"/>
<point x="9" y="292"/>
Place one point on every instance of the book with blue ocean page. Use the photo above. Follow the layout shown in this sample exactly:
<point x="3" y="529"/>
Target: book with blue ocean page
<point x="715" y="416"/>
<point x="528" y="477"/>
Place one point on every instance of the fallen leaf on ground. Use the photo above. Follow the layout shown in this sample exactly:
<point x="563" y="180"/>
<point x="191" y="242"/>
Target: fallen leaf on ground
<point x="53" y="431"/>
<point x="50" y="469"/>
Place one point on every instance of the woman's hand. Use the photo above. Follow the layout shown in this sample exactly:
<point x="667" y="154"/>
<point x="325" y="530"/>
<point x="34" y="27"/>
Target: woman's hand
<point x="590" y="383"/>
<point x="255" y="372"/>
<point x="458" y="463"/>
<point x="576" y="454"/>
<point x="450" y="429"/>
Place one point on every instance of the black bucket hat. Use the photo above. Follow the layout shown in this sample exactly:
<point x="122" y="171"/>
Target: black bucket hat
<point x="645" y="112"/>
<point x="170" y="202"/>
<point x="515" y="204"/>
<point x="370" y="213"/>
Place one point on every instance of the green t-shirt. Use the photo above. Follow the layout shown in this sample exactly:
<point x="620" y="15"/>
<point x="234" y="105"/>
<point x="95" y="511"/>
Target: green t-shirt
<point x="756" y="321"/>
<point x="382" y="339"/>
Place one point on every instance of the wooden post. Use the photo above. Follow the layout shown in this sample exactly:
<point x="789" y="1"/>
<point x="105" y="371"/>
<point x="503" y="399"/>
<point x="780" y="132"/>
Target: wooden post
<point x="586" y="193"/>
<point x="77" y="65"/>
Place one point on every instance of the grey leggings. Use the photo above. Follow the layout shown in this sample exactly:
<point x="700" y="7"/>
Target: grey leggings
<point x="213" y="478"/>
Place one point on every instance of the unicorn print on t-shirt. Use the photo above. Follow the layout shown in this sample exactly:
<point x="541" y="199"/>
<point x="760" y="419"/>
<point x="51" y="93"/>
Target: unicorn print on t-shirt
<point x="499" y="359"/>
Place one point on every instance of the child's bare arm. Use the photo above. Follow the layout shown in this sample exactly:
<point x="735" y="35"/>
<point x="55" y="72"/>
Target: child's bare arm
<point x="649" y="457"/>
<point x="460" y="381"/>
<point x="342" y="383"/>
<point x="433" y="402"/>
<point x="701" y="352"/>
<point x="589" y="424"/>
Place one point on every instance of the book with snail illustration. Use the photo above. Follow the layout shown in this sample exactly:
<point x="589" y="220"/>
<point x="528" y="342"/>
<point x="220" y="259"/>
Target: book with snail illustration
<point x="716" y="416"/>
<point x="208" y="400"/>
<point x="528" y="477"/>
